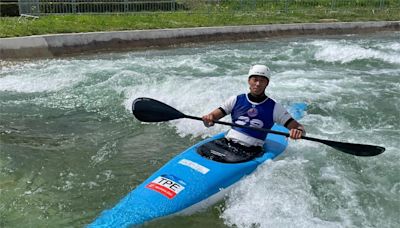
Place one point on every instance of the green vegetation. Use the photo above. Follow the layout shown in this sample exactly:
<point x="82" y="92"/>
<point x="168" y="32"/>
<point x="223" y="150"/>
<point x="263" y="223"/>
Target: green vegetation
<point x="201" y="15"/>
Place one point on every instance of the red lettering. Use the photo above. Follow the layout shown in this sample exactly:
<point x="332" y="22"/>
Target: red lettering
<point x="163" y="190"/>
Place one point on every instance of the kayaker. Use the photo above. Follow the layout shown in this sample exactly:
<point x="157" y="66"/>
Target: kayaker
<point x="254" y="109"/>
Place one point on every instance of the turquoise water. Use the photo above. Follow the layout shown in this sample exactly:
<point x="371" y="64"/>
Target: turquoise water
<point x="70" y="148"/>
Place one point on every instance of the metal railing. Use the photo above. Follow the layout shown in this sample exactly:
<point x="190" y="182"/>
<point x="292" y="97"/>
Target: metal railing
<point x="45" y="7"/>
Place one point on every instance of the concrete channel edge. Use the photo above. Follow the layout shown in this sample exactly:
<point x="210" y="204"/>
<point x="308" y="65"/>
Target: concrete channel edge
<point x="54" y="45"/>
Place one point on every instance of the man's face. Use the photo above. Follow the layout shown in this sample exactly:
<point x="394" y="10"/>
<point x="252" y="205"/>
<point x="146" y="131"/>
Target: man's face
<point x="258" y="85"/>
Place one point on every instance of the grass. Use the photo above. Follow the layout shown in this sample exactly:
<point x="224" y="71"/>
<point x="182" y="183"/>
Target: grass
<point x="70" y="23"/>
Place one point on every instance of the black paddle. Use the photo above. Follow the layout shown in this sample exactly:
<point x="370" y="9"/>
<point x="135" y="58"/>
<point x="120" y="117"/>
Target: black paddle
<point x="150" y="110"/>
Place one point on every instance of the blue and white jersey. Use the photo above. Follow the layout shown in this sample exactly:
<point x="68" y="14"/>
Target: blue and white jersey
<point x="248" y="113"/>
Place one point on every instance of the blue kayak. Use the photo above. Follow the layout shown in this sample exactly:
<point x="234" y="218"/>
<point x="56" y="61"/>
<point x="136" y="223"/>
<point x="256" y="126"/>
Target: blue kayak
<point x="186" y="183"/>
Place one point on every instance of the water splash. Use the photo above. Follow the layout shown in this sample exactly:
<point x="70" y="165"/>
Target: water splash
<point x="73" y="115"/>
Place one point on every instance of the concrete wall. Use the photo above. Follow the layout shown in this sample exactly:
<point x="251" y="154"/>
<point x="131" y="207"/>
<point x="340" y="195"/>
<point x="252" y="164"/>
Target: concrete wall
<point x="66" y="44"/>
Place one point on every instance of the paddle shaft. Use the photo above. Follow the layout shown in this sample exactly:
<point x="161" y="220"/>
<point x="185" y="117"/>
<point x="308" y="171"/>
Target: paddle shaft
<point x="241" y="126"/>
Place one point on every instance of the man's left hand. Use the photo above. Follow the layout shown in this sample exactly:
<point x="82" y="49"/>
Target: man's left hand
<point x="296" y="133"/>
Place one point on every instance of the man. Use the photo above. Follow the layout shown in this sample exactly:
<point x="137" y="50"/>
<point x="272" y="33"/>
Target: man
<point x="254" y="109"/>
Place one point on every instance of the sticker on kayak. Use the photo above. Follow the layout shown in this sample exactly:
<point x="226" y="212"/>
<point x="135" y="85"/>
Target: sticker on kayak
<point x="194" y="165"/>
<point x="167" y="185"/>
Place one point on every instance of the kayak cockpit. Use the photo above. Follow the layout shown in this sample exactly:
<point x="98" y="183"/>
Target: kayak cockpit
<point x="225" y="151"/>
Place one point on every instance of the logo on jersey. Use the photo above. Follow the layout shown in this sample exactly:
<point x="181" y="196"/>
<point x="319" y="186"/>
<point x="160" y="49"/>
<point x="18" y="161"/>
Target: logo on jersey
<point x="168" y="185"/>
<point x="252" y="112"/>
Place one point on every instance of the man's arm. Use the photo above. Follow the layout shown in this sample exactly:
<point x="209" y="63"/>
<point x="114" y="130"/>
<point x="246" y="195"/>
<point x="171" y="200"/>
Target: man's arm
<point x="282" y="116"/>
<point x="223" y="110"/>
<point x="296" y="129"/>
<point x="209" y="119"/>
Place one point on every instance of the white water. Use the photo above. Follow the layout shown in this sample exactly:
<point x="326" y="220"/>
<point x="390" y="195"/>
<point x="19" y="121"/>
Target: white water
<point x="351" y="85"/>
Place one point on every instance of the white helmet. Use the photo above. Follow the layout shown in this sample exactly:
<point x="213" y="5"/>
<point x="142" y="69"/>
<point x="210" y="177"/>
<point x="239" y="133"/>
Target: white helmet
<point x="260" y="70"/>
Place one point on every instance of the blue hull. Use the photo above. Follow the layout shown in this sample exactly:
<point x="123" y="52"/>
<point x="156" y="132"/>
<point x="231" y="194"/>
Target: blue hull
<point x="186" y="180"/>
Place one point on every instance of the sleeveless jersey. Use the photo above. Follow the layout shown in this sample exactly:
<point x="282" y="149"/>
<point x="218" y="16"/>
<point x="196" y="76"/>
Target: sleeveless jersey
<point x="255" y="115"/>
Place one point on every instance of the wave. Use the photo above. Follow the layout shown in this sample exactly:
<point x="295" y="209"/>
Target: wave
<point x="345" y="52"/>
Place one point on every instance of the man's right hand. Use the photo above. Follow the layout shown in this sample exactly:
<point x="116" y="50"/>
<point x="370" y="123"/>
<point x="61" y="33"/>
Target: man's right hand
<point x="208" y="120"/>
<point x="215" y="115"/>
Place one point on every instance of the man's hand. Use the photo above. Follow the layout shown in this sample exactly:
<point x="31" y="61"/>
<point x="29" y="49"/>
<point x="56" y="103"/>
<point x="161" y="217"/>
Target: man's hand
<point x="208" y="120"/>
<point x="296" y="133"/>
<point x="215" y="115"/>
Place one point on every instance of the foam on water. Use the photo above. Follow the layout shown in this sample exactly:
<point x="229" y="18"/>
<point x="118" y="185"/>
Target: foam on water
<point x="345" y="52"/>
<point x="278" y="194"/>
<point x="33" y="78"/>
<point x="351" y="86"/>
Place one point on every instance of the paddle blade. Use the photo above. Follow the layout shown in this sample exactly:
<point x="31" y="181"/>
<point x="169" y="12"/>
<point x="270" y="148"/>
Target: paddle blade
<point x="150" y="110"/>
<point x="360" y="149"/>
<point x="363" y="150"/>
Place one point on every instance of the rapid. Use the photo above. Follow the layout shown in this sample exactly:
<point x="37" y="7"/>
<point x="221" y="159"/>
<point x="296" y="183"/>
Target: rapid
<point x="70" y="147"/>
